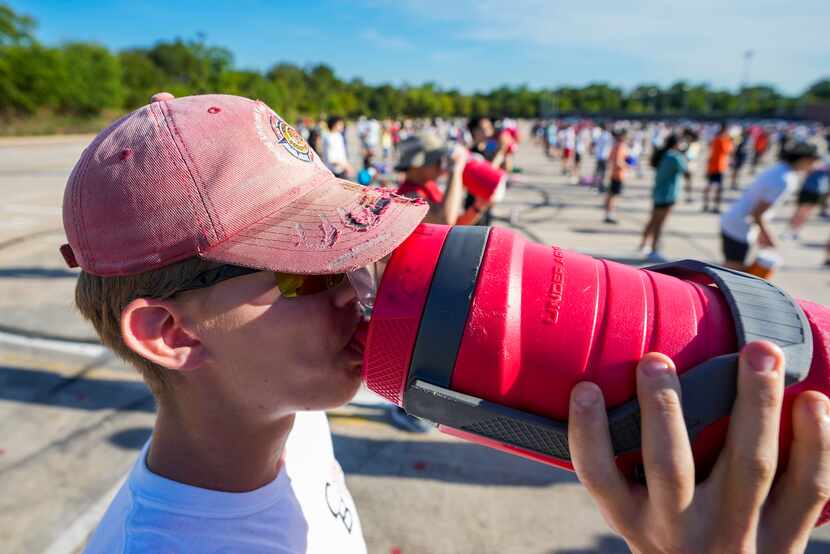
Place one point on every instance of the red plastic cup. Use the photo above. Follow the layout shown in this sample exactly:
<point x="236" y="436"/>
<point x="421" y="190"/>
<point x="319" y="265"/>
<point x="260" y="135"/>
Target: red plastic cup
<point x="483" y="180"/>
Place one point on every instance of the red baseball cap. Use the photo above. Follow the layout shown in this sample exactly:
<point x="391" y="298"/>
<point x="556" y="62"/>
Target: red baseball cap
<point x="226" y="179"/>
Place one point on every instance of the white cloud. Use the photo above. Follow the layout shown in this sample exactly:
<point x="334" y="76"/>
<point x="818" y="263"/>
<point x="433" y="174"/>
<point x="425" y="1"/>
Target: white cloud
<point x="384" y="41"/>
<point x="701" y="40"/>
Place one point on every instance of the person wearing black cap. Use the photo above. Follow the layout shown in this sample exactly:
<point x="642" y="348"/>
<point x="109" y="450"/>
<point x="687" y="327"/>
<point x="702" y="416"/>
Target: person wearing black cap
<point x="746" y="222"/>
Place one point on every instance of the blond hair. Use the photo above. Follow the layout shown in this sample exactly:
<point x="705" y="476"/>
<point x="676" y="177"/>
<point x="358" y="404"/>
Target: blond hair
<point x="101" y="300"/>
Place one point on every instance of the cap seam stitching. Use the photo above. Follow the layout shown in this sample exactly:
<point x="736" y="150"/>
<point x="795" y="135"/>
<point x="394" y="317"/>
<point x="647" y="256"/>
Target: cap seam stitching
<point x="198" y="181"/>
<point x="166" y="123"/>
<point x="312" y="187"/>
<point x="81" y="227"/>
<point x="162" y="122"/>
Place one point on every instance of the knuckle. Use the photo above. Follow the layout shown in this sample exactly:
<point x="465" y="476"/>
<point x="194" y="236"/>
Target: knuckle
<point x="756" y="468"/>
<point x="666" y="402"/>
<point x="594" y="479"/>
<point x="669" y="475"/>
<point x="817" y="492"/>
<point x="815" y="488"/>
<point x="767" y="393"/>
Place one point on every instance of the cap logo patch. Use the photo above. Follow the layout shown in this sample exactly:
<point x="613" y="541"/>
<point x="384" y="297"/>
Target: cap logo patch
<point x="290" y="139"/>
<point x="287" y="137"/>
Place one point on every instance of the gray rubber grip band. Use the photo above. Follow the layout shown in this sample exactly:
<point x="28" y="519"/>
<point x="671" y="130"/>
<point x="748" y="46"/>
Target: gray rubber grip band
<point x="761" y="311"/>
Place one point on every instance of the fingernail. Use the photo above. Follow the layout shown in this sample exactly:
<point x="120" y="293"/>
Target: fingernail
<point x="821" y="407"/>
<point x="655" y="367"/>
<point x="586" y="396"/>
<point x="762" y="362"/>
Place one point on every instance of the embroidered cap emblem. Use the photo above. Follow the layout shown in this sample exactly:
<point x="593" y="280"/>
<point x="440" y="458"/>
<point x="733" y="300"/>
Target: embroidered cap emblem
<point x="291" y="140"/>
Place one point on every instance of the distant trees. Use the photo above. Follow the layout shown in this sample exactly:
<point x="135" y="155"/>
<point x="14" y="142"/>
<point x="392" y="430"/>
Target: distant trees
<point x="818" y="91"/>
<point x="85" y="79"/>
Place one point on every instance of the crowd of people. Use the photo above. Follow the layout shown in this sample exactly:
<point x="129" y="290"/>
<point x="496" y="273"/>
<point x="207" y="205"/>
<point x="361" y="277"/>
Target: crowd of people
<point x="725" y="152"/>
<point x="413" y="156"/>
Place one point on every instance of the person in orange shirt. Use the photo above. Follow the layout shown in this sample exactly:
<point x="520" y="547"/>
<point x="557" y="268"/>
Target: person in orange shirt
<point x="618" y="166"/>
<point x="721" y="148"/>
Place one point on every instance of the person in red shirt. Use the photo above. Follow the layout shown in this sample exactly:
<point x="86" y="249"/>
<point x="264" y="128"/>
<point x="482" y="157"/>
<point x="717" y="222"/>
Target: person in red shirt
<point x="719" y="152"/>
<point x="761" y="146"/>
<point x="424" y="159"/>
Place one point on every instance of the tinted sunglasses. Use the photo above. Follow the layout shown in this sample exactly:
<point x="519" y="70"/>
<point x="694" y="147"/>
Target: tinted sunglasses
<point x="291" y="285"/>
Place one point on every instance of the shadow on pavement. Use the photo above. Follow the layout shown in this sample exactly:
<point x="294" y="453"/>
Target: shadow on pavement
<point x="131" y="439"/>
<point x="47" y="388"/>
<point x="637" y="232"/>
<point x="441" y="460"/>
<point x="606" y="544"/>
<point x="609" y="544"/>
<point x="817" y="547"/>
<point x="36" y="272"/>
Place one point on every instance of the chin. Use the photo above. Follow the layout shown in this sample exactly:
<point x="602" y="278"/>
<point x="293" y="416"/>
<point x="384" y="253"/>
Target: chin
<point x="338" y="389"/>
<point x="350" y="392"/>
<point x="351" y="383"/>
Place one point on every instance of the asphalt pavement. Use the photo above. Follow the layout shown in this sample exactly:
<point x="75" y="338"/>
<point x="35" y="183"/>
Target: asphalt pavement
<point x="72" y="417"/>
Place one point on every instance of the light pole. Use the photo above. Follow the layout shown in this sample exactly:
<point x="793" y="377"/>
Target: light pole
<point x="748" y="55"/>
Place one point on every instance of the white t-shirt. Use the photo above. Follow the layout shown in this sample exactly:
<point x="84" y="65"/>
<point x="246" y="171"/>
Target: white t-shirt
<point x="372" y="133"/>
<point x="602" y="147"/>
<point x="307" y="508"/>
<point x="569" y="138"/>
<point x="772" y="186"/>
<point x="334" y="152"/>
<point x="583" y="141"/>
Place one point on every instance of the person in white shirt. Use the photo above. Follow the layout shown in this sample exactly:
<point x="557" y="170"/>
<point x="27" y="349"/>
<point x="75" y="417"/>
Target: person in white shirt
<point x="334" y="149"/>
<point x="747" y="219"/>
<point x="602" y="149"/>
<point x="567" y="140"/>
<point x="582" y="143"/>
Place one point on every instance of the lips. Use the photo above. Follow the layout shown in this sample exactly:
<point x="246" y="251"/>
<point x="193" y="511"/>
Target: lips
<point x="358" y="340"/>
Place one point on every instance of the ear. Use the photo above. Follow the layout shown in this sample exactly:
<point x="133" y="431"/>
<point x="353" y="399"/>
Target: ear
<point x="153" y="329"/>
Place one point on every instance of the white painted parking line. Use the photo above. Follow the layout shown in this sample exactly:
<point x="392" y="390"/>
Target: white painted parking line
<point x="65" y="347"/>
<point x="31" y="209"/>
<point x="17" y="222"/>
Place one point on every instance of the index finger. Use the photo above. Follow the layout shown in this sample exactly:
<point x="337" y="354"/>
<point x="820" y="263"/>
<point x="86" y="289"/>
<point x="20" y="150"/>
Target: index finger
<point x="746" y="466"/>
<point x="592" y="455"/>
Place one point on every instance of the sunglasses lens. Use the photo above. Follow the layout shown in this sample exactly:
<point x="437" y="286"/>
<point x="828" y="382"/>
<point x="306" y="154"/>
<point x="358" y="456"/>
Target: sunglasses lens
<point x="291" y="285"/>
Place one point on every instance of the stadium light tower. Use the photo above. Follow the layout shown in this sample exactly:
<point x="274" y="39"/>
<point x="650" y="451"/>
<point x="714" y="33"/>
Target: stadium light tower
<point x="748" y="55"/>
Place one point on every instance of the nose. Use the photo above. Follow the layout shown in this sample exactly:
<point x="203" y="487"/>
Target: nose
<point x="343" y="294"/>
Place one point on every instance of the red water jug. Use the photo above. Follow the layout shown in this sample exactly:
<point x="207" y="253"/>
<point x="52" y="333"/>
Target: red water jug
<point x="485" y="333"/>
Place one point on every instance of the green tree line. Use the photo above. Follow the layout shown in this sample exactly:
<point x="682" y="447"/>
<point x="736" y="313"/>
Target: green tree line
<point x="84" y="79"/>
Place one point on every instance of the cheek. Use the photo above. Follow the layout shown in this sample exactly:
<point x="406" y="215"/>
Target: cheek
<point x="300" y="331"/>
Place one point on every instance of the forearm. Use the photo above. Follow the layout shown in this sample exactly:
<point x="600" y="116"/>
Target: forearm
<point x="758" y="219"/>
<point x="764" y="230"/>
<point x="498" y="159"/>
<point x="453" y="197"/>
<point x="472" y="214"/>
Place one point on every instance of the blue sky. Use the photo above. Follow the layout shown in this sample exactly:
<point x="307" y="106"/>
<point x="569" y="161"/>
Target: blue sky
<point x="479" y="44"/>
